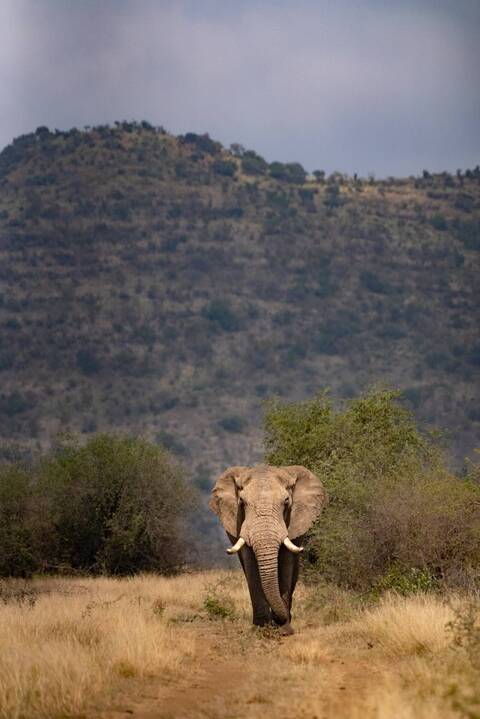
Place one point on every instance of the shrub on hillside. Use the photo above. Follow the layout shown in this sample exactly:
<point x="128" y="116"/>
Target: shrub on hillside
<point x="253" y="164"/>
<point x="288" y="172"/>
<point x="393" y="503"/>
<point x="87" y="361"/>
<point x="221" y="316"/>
<point x="468" y="232"/>
<point x="114" y="505"/>
<point x="203" y="143"/>
<point x="232" y="423"/>
<point x="374" y="283"/>
<point x="17" y="556"/>
<point x="224" y="167"/>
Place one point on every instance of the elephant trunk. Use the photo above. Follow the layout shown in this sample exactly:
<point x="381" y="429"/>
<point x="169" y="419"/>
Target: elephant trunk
<point x="266" y="551"/>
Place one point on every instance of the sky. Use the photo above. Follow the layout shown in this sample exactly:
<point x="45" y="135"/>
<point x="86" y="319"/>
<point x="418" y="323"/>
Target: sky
<point x="389" y="87"/>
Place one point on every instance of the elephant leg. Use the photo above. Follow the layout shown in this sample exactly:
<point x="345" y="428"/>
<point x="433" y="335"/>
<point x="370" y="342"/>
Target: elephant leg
<point x="288" y="565"/>
<point x="262" y="614"/>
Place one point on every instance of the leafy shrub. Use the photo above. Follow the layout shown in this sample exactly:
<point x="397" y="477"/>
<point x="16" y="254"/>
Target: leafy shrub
<point x="172" y="443"/>
<point x="441" y="360"/>
<point x="17" y="555"/>
<point x="327" y="338"/>
<point x="221" y="315"/>
<point x="473" y="355"/>
<point x="439" y="222"/>
<point x="468" y="232"/>
<point x="405" y="581"/>
<point x="389" y="331"/>
<point x="114" y="505"/>
<point x="333" y="197"/>
<point x="253" y="164"/>
<point x="413" y="395"/>
<point x="373" y="282"/>
<point x="226" y="168"/>
<point x="216" y="609"/>
<point x="14" y="403"/>
<point x="203" y="143"/>
<point x="217" y="602"/>
<point x="7" y="360"/>
<point x="392" y="500"/>
<point x="232" y="423"/>
<point x="288" y="172"/>
<point x="87" y="361"/>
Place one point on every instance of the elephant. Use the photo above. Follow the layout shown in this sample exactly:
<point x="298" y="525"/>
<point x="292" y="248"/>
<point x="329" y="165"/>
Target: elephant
<point x="262" y="509"/>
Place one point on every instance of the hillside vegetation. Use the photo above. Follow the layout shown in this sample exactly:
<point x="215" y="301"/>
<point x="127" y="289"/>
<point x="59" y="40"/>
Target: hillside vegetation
<point x="165" y="286"/>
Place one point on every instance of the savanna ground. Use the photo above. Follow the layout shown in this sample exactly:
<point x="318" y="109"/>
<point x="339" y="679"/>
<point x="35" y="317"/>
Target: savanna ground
<point x="184" y="647"/>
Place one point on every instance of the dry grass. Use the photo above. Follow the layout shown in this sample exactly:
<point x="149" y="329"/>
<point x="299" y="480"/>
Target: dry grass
<point x="67" y="646"/>
<point x="69" y="650"/>
<point x="403" y="627"/>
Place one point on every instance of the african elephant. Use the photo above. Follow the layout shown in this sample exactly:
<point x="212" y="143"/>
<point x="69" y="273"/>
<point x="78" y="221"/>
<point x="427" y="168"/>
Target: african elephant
<point x="262" y="509"/>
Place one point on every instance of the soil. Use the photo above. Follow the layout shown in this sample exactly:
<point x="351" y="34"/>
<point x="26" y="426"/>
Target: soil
<point x="223" y="681"/>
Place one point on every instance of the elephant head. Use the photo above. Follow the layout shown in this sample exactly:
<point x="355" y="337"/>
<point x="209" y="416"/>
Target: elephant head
<point x="263" y="507"/>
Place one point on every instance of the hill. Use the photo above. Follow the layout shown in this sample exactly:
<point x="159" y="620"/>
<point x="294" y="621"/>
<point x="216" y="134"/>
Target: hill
<point x="166" y="285"/>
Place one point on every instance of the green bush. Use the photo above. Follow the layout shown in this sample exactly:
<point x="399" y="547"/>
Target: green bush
<point x="333" y="197"/>
<point x="217" y="601"/>
<point x="221" y="316"/>
<point x="114" y="505"/>
<point x="439" y="222"/>
<point x="15" y="403"/>
<point x="374" y="283"/>
<point x="253" y="164"/>
<point x="468" y="232"/>
<point x="288" y="172"/>
<point x="87" y="361"/>
<point x="392" y="500"/>
<point x="405" y="580"/>
<point x="224" y="167"/>
<point x="17" y="555"/>
<point x="232" y="423"/>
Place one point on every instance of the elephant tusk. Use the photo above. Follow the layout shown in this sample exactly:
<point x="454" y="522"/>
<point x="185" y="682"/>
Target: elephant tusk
<point x="291" y="546"/>
<point x="237" y="546"/>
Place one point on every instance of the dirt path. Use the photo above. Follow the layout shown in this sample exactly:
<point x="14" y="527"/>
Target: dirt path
<point x="215" y="673"/>
<point x="236" y="674"/>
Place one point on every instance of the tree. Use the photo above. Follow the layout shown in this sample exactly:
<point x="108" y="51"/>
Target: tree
<point x="224" y="167"/>
<point x="237" y="150"/>
<point x="17" y="555"/>
<point x="87" y="361"/>
<point x="115" y="505"/>
<point x="253" y="164"/>
<point x="394" y="506"/>
<point x="221" y="315"/>
<point x="288" y="172"/>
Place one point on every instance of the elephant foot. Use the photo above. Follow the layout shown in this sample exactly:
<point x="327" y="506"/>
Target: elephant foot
<point x="286" y="630"/>
<point x="261" y="620"/>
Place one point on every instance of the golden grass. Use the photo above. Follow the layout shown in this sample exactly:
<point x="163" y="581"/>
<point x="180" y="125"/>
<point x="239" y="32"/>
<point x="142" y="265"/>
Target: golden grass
<point x="402" y="627"/>
<point x="80" y="641"/>
<point x="69" y="649"/>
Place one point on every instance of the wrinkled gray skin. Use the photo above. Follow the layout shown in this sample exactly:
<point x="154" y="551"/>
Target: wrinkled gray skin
<point x="263" y="505"/>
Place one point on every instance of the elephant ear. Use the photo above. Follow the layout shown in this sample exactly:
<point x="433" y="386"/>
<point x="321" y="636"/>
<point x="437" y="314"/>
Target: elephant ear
<point x="308" y="500"/>
<point x="224" y="500"/>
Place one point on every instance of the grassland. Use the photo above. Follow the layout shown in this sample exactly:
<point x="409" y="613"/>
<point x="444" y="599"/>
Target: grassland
<point x="184" y="647"/>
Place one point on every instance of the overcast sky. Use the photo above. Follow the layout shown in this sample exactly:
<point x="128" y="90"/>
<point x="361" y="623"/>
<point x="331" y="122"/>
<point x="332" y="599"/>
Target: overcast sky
<point x="383" y="86"/>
